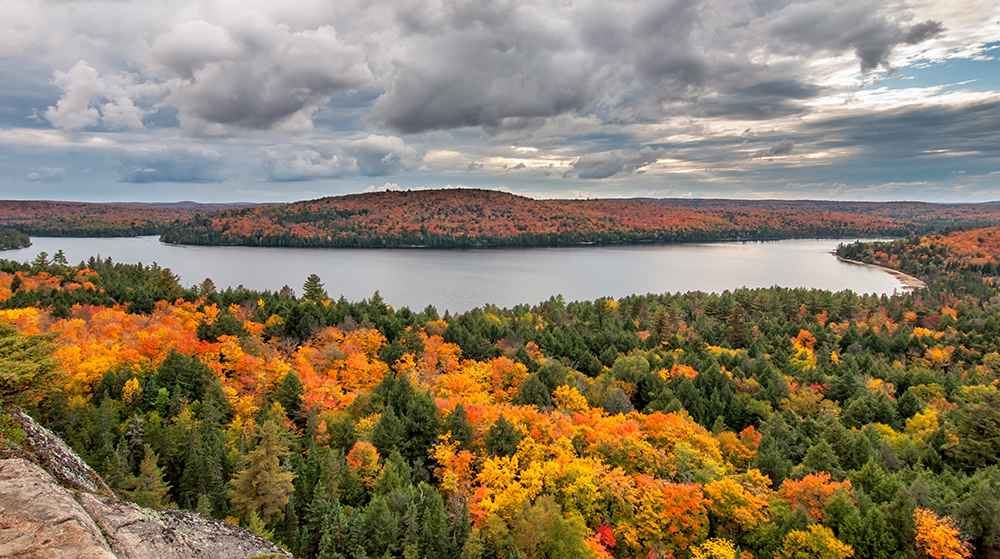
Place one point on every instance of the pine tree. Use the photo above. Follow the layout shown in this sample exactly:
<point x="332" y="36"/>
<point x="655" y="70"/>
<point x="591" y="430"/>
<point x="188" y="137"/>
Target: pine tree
<point x="263" y="487"/>
<point x="312" y="290"/>
<point x="148" y="488"/>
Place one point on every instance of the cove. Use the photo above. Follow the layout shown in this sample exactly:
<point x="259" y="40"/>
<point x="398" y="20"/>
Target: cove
<point x="459" y="280"/>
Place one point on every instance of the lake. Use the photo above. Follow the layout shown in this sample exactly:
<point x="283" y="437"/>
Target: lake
<point x="459" y="280"/>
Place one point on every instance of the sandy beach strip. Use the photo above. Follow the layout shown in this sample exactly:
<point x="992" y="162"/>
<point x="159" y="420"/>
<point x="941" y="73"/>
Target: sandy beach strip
<point x="909" y="282"/>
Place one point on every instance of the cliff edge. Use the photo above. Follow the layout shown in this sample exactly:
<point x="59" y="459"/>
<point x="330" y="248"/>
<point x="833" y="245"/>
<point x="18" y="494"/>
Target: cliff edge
<point x="52" y="505"/>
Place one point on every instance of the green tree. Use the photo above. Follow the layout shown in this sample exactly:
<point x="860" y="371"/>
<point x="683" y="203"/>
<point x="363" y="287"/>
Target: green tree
<point x="312" y="289"/>
<point x="502" y="438"/>
<point x="458" y="424"/>
<point x="148" y="488"/>
<point x="533" y="392"/>
<point x="289" y="394"/>
<point x="263" y="487"/>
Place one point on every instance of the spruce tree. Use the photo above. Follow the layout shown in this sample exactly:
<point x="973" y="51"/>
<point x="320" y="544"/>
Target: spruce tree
<point x="263" y="487"/>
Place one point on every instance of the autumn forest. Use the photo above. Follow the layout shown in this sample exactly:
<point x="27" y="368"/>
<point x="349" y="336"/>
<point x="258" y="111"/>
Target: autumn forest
<point x="766" y="423"/>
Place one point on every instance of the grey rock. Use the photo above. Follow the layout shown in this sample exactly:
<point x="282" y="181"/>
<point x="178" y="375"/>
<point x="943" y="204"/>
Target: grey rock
<point x="58" y="458"/>
<point x="137" y="533"/>
<point x="40" y="519"/>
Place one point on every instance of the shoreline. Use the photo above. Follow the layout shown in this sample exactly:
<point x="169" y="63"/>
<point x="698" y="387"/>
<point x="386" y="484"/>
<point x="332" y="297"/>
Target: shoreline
<point x="910" y="283"/>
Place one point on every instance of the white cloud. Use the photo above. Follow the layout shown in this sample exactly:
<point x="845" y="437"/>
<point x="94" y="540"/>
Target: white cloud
<point x="89" y="99"/>
<point x="47" y="174"/>
<point x="253" y="74"/>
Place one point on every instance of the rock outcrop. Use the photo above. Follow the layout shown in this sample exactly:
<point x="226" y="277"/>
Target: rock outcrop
<point x="38" y="518"/>
<point x="53" y="506"/>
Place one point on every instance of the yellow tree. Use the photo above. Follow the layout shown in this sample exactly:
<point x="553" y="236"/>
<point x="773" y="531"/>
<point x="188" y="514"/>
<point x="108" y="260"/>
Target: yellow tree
<point x="939" y="538"/>
<point x="739" y="502"/>
<point x="816" y="543"/>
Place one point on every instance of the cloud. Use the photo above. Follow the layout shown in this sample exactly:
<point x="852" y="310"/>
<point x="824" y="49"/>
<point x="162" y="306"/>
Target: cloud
<point x="859" y="25"/>
<point x="610" y="163"/>
<point x="370" y="157"/>
<point x="253" y="74"/>
<point x="146" y="165"/>
<point x="784" y="147"/>
<point x="47" y="174"/>
<point x="479" y="64"/>
<point x="384" y="188"/>
<point x="89" y="99"/>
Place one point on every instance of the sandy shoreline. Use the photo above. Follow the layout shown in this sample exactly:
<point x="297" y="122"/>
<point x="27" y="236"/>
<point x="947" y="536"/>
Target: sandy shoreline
<point x="909" y="282"/>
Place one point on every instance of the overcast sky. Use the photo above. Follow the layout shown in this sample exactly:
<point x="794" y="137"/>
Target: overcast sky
<point x="272" y="100"/>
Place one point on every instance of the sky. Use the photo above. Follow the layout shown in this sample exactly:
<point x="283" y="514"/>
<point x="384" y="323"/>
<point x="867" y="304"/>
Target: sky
<point x="274" y="101"/>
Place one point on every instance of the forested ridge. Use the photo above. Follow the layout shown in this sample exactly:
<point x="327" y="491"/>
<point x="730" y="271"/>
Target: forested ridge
<point x="776" y="422"/>
<point x="470" y="218"/>
<point x="84" y="219"/>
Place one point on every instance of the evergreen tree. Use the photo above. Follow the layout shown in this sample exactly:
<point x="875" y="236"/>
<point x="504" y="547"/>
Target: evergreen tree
<point x="312" y="290"/>
<point x="263" y="487"/>
<point x="533" y="392"/>
<point x="382" y="527"/>
<point x="389" y="432"/>
<point x="334" y="542"/>
<point x="502" y="438"/>
<point x="289" y="394"/>
<point x="458" y="424"/>
<point x="148" y="488"/>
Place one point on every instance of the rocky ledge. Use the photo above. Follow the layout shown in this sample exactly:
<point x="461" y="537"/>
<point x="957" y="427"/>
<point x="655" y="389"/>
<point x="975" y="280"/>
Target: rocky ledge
<point x="41" y="518"/>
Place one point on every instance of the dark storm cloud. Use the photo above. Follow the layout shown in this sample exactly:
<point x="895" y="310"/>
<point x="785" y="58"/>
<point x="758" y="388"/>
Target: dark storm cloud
<point x="856" y="25"/>
<point x="610" y="163"/>
<point x="374" y="156"/>
<point x="167" y="165"/>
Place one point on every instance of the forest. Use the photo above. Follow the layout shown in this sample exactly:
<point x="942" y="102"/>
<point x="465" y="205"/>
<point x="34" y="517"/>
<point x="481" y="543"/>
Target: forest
<point x="474" y="218"/>
<point x="766" y="423"/>
<point x="83" y="219"/>
<point x="11" y="238"/>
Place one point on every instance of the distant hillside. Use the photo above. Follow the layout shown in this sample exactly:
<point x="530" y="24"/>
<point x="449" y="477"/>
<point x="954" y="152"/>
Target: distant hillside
<point x="82" y="219"/>
<point x="469" y="217"/>
<point x="915" y="214"/>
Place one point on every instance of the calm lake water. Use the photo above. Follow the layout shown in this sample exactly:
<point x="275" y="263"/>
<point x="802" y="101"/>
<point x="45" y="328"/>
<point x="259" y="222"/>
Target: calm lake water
<point x="459" y="280"/>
